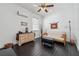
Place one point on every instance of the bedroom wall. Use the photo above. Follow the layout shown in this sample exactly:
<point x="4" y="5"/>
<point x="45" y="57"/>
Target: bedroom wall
<point x="10" y="22"/>
<point x="75" y="24"/>
<point x="62" y="13"/>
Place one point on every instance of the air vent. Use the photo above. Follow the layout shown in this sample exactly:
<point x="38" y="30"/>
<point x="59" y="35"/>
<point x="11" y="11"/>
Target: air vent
<point x="20" y="14"/>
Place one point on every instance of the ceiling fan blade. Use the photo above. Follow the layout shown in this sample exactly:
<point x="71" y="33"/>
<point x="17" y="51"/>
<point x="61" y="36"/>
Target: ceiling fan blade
<point x="39" y="10"/>
<point x="49" y="5"/>
<point x="46" y="10"/>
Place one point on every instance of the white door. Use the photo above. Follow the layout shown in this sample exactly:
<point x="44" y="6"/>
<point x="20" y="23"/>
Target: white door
<point x="36" y="27"/>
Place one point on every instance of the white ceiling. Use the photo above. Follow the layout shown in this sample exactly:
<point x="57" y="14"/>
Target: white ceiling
<point x="33" y="8"/>
<point x="57" y="7"/>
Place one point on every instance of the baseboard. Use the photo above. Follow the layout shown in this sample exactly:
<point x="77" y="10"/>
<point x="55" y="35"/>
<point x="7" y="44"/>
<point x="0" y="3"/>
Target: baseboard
<point x="38" y="38"/>
<point x="77" y="46"/>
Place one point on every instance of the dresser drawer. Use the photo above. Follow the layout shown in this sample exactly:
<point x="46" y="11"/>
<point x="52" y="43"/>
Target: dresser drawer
<point x="27" y="37"/>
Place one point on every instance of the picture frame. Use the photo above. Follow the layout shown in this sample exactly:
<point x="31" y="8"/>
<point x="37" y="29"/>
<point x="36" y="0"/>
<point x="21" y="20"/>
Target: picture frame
<point x="54" y="25"/>
<point x="24" y="23"/>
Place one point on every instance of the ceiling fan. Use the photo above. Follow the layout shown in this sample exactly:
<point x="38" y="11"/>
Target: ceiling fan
<point x="44" y="7"/>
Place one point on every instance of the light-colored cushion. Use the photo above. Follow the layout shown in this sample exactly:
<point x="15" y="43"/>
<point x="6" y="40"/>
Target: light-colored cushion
<point x="56" y="35"/>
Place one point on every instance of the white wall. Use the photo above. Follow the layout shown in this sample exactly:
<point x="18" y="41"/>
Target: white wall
<point x="62" y="13"/>
<point x="75" y="24"/>
<point x="10" y="22"/>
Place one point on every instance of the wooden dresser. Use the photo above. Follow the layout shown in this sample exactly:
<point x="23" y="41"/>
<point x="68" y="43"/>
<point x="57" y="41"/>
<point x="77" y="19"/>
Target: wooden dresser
<point x="24" y="38"/>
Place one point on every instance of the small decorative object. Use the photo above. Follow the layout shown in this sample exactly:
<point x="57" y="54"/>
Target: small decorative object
<point x="31" y="31"/>
<point x="20" y="32"/>
<point x="54" y="25"/>
<point x="23" y="23"/>
<point x="26" y="30"/>
<point x="9" y="45"/>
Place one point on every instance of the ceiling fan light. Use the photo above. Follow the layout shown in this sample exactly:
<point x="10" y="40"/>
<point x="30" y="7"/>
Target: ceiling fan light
<point x="42" y="8"/>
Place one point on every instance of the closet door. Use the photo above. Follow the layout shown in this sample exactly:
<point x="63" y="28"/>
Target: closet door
<point x="36" y="27"/>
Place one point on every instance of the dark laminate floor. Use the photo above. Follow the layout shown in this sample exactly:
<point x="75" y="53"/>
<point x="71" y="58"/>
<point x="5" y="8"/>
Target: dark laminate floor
<point x="36" y="49"/>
